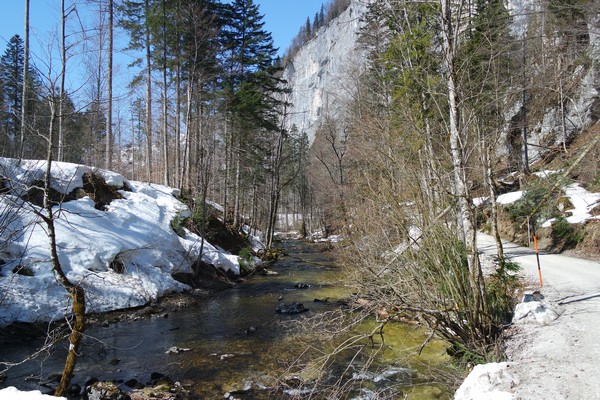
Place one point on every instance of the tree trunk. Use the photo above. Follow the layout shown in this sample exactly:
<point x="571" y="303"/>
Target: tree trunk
<point x="177" y="168"/>
<point x="165" y="99"/>
<point x="148" y="95"/>
<point x="76" y="292"/>
<point x="227" y="169"/>
<point x="109" y="94"/>
<point x="524" y="150"/>
<point x="486" y="158"/>
<point x="236" y="199"/>
<point x="459" y="181"/>
<point x="185" y="175"/>
<point x="61" y="95"/>
<point x="25" y="80"/>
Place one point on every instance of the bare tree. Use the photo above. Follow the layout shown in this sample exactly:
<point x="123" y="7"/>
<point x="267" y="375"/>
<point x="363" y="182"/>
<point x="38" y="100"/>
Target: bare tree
<point x="147" y="45"/>
<point x="109" y="89"/>
<point x="25" y="80"/>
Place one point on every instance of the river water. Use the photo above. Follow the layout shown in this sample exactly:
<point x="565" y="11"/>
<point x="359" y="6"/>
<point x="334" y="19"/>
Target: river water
<point x="236" y="342"/>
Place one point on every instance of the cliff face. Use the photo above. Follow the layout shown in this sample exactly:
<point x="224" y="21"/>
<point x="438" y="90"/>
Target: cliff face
<point x="322" y="77"/>
<point x="558" y="108"/>
<point x="321" y="73"/>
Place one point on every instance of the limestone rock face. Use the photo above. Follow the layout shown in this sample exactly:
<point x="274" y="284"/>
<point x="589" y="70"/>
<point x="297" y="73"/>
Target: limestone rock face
<point x="321" y="73"/>
<point x="323" y="76"/>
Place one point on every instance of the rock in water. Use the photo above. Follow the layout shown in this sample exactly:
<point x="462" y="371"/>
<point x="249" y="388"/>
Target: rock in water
<point x="291" y="308"/>
<point x="105" y="391"/>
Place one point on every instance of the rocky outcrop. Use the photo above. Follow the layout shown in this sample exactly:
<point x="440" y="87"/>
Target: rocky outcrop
<point x="321" y="73"/>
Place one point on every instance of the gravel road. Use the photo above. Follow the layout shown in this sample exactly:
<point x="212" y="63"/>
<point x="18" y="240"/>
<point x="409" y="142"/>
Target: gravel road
<point x="557" y="360"/>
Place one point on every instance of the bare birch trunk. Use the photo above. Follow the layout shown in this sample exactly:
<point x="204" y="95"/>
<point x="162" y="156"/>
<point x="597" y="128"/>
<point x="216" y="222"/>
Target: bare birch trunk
<point x="109" y="94"/>
<point x="148" y="96"/>
<point x="76" y="293"/>
<point x="25" y="80"/>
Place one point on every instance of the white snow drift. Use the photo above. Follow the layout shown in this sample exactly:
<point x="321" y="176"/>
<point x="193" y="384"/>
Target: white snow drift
<point x="134" y="231"/>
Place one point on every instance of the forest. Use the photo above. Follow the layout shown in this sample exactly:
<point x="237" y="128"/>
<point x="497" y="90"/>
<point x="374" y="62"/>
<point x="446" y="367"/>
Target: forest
<point x="202" y="110"/>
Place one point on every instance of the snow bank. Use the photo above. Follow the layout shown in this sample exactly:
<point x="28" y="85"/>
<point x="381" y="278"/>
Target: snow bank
<point x="11" y="393"/>
<point x="537" y="311"/>
<point x="583" y="203"/>
<point x="495" y="380"/>
<point x="491" y="381"/>
<point x="123" y="256"/>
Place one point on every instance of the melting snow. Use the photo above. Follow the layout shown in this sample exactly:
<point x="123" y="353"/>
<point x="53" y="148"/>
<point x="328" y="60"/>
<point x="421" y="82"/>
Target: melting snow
<point x="134" y="231"/>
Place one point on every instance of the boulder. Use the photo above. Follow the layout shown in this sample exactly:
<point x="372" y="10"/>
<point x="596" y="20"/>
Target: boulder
<point x="291" y="308"/>
<point x="105" y="391"/>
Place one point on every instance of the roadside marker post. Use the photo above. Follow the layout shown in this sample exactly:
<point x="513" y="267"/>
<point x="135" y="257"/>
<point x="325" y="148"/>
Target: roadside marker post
<point x="537" y="256"/>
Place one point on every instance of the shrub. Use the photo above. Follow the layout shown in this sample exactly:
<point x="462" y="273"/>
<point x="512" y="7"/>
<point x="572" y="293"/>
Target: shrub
<point x="25" y="271"/>
<point x="565" y="235"/>
<point x="501" y="286"/>
<point x="246" y="258"/>
<point x="537" y="203"/>
<point x="437" y="281"/>
<point x="271" y="255"/>
<point x="595" y="184"/>
<point x="177" y="224"/>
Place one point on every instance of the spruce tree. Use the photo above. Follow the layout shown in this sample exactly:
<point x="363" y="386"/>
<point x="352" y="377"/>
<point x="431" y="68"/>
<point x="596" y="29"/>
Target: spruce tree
<point x="11" y="74"/>
<point x="11" y="81"/>
<point x="250" y="90"/>
<point x="135" y="20"/>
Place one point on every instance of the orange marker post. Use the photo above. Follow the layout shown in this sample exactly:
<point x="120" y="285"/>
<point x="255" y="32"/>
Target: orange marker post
<point x="537" y="256"/>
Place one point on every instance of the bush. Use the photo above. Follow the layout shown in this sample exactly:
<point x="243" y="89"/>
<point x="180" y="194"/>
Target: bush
<point x="246" y="259"/>
<point x="470" y="316"/>
<point x="565" y="235"/>
<point x="177" y="224"/>
<point x="25" y="271"/>
<point x="272" y="254"/>
<point x="537" y="203"/>
<point x="501" y="286"/>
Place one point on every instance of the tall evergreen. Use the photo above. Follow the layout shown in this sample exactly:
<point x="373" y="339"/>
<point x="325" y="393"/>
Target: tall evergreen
<point x="136" y="22"/>
<point x="250" y="88"/>
<point x="11" y="81"/>
<point x="250" y="61"/>
<point x="11" y="74"/>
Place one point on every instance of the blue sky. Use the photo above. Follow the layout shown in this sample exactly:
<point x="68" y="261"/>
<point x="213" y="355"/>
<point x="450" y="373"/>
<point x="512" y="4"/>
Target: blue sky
<point x="282" y="17"/>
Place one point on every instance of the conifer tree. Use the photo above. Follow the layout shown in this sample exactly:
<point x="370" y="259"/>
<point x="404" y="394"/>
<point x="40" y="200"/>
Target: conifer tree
<point x="11" y="74"/>
<point x="136" y="21"/>
<point x="12" y="64"/>
<point x="250" y="88"/>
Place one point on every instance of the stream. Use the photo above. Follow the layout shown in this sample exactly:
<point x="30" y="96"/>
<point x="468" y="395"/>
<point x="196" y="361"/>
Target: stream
<point x="235" y="342"/>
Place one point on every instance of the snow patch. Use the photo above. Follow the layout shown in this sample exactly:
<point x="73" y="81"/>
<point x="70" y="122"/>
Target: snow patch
<point x="13" y="394"/>
<point x="535" y="309"/>
<point x="583" y="203"/>
<point x="509" y="198"/>
<point x="491" y="381"/>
